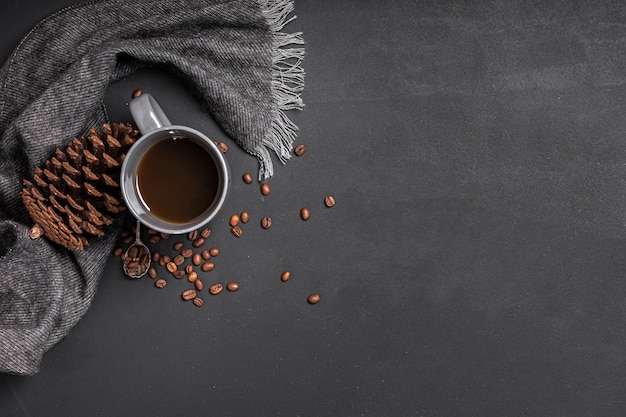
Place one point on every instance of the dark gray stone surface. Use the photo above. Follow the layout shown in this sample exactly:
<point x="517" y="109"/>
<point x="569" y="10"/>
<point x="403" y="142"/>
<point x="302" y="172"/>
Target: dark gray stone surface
<point x="474" y="262"/>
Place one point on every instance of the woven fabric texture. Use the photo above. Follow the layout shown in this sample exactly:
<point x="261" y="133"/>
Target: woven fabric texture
<point x="233" y="54"/>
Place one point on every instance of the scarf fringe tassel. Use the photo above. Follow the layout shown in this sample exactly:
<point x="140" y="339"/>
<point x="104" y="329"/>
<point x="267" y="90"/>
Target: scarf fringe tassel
<point x="287" y="84"/>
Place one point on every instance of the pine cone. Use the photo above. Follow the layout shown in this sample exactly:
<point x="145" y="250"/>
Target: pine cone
<point x="76" y="193"/>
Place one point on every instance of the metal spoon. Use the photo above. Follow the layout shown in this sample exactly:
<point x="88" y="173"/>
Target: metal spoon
<point x="137" y="257"/>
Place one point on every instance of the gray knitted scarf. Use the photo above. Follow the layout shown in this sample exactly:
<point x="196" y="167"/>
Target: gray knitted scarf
<point x="233" y="53"/>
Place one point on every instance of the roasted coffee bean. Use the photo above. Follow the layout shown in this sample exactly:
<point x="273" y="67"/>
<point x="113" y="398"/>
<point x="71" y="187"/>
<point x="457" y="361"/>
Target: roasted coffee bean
<point x="171" y="266"/>
<point x="222" y="146"/>
<point x="285" y="276"/>
<point x="118" y="251"/>
<point x="166" y="259"/>
<point x="189" y="295"/>
<point x="187" y="253"/>
<point x="329" y="201"/>
<point x="247" y="178"/>
<point x="128" y="239"/>
<point x="151" y="231"/>
<point x="305" y="213"/>
<point x="198" y="301"/>
<point x="214" y="252"/>
<point x="206" y="255"/>
<point x="300" y="149"/>
<point x="164" y="235"/>
<point x="160" y="283"/>
<point x="237" y="231"/>
<point x="205" y="233"/>
<point x="193" y="235"/>
<point x="216" y="288"/>
<point x="234" y="220"/>
<point x="192" y="276"/>
<point x="314" y="298"/>
<point x="232" y="286"/>
<point x="198" y="242"/>
<point x="162" y="261"/>
<point x="189" y="269"/>
<point x="265" y="189"/>
<point x="178" y="245"/>
<point x="198" y="284"/>
<point x="152" y="273"/>
<point x="196" y="259"/>
<point x="137" y="93"/>
<point x="144" y="259"/>
<point x="266" y="222"/>
<point x="179" y="273"/>
<point x="132" y="252"/>
<point x="156" y="256"/>
<point x="207" y="266"/>
<point x="244" y="217"/>
<point x="179" y="260"/>
<point x="154" y="239"/>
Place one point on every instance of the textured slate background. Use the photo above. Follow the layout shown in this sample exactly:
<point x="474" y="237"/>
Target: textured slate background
<point x="474" y="263"/>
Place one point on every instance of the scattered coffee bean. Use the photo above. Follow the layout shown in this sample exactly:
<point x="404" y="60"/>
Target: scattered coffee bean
<point x="171" y="266"/>
<point x="216" y="288"/>
<point x="222" y="146"/>
<point x="206" y="255"/>
<point x="305" y="213"/>
<point x="151" y="231"/>
<point x="214" y="252"/>
<point x="300" y="149"/>
<point x="285" y="276"/>
<point x="178" y="245"/>
<point x="188" y="269"/>
<point x="237" y="231"/>
<point x="164" y="235"/>
<point x="329" y="201"/>
<point x="196" y="259"/>
<point x="186" y="253"/>
<point x="152" y="273"/>
<point x="244" y="217"/>
<point x="160" y="283"/>
<point x="179" y="273"/>
<point x="266" y="222"/>
<point x="234" y="220"/>
<point x="128" y="239"/>
<point x="189" y="295"/>
<point x="198" y="242"/>
<point x="314" y="298"/>
<point x="198" y="301"/>
<point x="207" y="266"/>
<point x="198" y="284"/>
<point x="137" y="93"/>
<point x="156" y="256"/>
<point x="232" y="286"/>
<point x="193" y="235"/>
<point x="179" y="260"/>
<point x="118" y="251"/>
<point x="192" y="276"/>
<point x="205" y="233"/>
<point x="265" y="189"/>
<point x="247" y="178"/>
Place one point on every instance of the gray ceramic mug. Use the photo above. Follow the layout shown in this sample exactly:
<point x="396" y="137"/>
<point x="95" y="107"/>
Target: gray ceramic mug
<point x="155" y="127"/>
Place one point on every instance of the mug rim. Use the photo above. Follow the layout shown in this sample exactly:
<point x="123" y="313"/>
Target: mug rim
<point x="132" y="197"/>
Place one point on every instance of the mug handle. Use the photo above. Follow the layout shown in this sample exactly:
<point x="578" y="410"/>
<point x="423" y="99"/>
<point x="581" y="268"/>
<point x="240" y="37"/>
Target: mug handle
<point x="147" y="113"/>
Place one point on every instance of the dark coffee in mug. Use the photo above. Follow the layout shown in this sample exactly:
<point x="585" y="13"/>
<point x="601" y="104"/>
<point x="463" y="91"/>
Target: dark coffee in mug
<point x="177" y="179"/>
